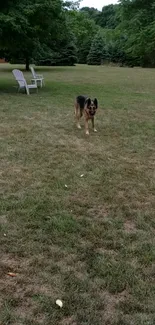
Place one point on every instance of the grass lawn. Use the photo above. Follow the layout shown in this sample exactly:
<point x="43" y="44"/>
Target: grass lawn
<point x="90" y="243"/>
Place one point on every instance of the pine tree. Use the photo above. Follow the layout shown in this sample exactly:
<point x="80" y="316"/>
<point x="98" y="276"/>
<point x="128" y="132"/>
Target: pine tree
<point x="97" y="51"/>
<point x="68" y="52"/>
<point x="84" y="51"/>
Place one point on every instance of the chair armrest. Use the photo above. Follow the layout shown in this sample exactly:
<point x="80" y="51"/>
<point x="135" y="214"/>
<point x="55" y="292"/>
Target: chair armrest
<point x="21" y="80"/>
<point x="39" y="76"/>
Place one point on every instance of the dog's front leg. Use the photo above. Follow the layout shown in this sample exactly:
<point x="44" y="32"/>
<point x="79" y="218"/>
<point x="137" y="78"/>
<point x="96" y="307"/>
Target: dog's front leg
<point x="86" y="126"/>
<point x="93" y="125"/>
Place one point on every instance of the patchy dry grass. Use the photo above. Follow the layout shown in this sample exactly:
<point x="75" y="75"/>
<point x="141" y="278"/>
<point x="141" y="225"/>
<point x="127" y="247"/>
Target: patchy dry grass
<point x="92" y="243"/>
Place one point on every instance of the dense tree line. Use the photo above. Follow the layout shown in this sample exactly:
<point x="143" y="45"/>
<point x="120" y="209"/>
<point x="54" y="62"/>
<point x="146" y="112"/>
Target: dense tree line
<point x="37" y="31"/>
<point x="57" y="32"/>
<point x="126" y="33"/>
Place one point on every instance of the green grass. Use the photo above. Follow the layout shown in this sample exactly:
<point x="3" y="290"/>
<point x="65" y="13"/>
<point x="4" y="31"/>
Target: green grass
<point x="92" y="243"/>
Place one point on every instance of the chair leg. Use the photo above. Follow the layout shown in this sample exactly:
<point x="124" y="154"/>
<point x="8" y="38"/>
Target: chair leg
<point x="27" y="90"/>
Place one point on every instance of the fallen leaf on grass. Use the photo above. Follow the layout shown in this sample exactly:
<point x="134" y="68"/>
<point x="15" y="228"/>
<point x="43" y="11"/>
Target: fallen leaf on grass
<point x="59" y="303"/>
<point x="12" y="274"/>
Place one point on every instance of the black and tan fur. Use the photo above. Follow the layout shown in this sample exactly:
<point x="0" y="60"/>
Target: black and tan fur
<point x="87" y="107"/>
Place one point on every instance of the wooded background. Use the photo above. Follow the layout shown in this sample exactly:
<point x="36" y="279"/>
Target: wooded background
<point x="56" y="32"/>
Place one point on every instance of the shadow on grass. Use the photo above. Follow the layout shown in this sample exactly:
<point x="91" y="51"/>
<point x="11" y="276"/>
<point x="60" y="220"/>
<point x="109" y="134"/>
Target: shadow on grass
<point x="8" y="87"/>
<point x="7" y="67"/>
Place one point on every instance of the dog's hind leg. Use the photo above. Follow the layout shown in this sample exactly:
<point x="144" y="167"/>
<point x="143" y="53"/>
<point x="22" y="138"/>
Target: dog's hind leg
<point x="78" y="115"/>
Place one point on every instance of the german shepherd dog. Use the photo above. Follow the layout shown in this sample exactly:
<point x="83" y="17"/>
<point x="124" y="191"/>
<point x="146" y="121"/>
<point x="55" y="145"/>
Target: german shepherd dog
<point x="87" y="107"/>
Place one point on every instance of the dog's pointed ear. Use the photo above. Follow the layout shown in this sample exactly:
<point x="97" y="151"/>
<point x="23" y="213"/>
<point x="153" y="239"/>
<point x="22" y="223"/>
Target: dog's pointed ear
<point x="88" y="102"/>
<point x="96" y="102"/>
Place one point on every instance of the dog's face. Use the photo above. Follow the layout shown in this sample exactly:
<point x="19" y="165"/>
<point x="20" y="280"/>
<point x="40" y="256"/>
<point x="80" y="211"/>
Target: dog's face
<point x="91" y="106"/>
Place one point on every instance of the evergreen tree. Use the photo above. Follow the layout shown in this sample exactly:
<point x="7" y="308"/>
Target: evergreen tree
<point x="97" y="51"/>
<point x="138" y="23"/>
<point x="84" y="30"/>
<point x="68" y="51"/>
<point x="84" y="51"/>
<point x="61" y="52"/>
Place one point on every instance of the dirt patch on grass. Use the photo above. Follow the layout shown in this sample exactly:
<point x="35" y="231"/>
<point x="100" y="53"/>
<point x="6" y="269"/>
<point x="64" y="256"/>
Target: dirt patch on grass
<point x="109" y="252"/>
<point x="8" y="264"/>
<point x="3" y="220"/>
<point x="26" y="309"/>
<point x="71" y="263"/>
<point x="101" y="211"/>
<point x="68" y="321"/>
<point x="129" y="227"/>
<point x="110" y="305"/>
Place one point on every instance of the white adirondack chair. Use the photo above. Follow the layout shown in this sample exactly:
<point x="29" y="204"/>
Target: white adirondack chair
<point x="37" y="77"/>
<point x="22" y="84"/>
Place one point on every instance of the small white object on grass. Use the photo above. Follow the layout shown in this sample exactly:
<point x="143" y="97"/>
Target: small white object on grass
<point x="81" y="175"/>
<point x="59" y="303"/>
<point x="66" y="186"/>
<point x="4" y="235"/>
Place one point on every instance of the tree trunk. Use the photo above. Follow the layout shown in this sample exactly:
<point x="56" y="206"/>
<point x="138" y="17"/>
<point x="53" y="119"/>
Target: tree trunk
<point x="27" y="63"/>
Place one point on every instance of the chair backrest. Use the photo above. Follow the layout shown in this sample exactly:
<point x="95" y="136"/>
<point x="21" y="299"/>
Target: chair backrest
<point x="33" y="72"/>
<point x="19" y="77"/>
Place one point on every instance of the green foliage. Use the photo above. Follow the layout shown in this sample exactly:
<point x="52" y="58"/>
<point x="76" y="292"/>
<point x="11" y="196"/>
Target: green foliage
<point x="138" y="22"/>
<point x="61" y="52"/>
<point x="56" y="32"/>
<point x="97" y="51"/>
<point x="109" y="17"/>
<point x="84" y="30"/>
<point x="111" y="47"/>
<point x="132" y="40"/>
<point x="67" y="55"/>
<point x="71" y="4"/>
<point x="84" y="51"/>
<point x="107" y="46"/>
<point x="91" y="12"/>
<point x="28" y="26"/>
